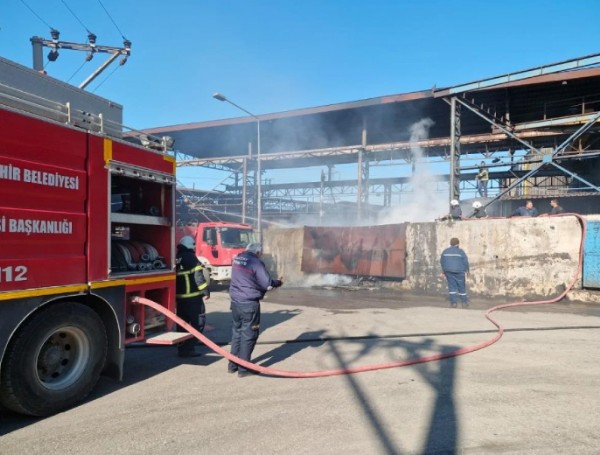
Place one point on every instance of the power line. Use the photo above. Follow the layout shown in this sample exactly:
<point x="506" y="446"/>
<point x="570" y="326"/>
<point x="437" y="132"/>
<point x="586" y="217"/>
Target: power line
<point x="112" y="20"/>
<point x="106" y="78"/>
<point x="75" y="16"/>
<point x="37" y="15"/>
<point x="76" y="71"/>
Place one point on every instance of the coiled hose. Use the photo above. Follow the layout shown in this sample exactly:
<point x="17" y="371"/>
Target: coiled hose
<point x="381" y="366"/>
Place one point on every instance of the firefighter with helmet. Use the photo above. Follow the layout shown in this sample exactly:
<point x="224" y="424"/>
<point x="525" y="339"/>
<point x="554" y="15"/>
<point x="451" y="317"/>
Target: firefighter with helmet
<point x="478" y="210"/>
<point x="191" y="288"/>
<point x="455" y="211"/>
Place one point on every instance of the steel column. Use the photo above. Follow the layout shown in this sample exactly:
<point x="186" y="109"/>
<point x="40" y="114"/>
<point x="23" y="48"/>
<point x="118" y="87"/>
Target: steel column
<point x="454" y="149"/>
<point x="359" y="186"/>
<point x="244" y="188"/>
<point x="387" y="195"/>
<point x="365" y="165"/>
<point x="38" y="53"/>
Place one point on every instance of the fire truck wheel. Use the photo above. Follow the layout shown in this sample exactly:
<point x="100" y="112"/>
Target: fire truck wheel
<point x="54" y="361"/>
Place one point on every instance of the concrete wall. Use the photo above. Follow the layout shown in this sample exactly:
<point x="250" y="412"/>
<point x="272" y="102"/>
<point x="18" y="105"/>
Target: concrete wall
<point x="283" y="254"/>
<point x="514" y="257"/>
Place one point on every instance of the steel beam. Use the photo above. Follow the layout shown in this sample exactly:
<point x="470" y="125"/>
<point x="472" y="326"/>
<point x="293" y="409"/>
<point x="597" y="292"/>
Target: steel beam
<point x="577" y="134"/>
<point x="223" y="162"/>
<point x="565" y="65"/>
<point x="491" y="121"/>
<point x="561" y="121"/>
<point x="575" y="176"/>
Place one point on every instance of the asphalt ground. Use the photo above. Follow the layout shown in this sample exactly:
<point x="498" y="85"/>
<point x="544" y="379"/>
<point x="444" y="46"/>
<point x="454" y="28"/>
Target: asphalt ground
<point x="533" y="392"/>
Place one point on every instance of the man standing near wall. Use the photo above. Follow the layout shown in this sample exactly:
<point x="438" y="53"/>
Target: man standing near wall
<point x="455" y="266"/>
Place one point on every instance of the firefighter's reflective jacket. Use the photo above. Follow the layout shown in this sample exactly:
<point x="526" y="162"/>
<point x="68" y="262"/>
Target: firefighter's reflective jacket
<point x="190" y="279"/>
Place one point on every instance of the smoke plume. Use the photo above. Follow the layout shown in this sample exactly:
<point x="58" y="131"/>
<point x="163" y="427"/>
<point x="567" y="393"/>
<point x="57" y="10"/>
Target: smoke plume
<point x="423" y="202"/>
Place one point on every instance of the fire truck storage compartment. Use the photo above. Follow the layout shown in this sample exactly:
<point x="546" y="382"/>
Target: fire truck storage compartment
<point x="141" y="207"/>
<point x="143" y="321"/>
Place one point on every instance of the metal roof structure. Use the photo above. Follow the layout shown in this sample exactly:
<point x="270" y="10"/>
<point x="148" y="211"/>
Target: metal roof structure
<point x="551" y="111"/>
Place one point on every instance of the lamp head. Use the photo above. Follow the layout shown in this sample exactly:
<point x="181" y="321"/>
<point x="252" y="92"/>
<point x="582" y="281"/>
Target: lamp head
<point x="219" y="96"/>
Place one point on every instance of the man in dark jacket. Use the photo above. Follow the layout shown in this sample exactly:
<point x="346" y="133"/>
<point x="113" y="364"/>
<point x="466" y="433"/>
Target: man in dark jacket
<point x="250" y="281"/>
<point x="455" y="266"/>
<point x="527" y="210"/>
<point x="556" y="208"/>
<point x="191" y="286"/>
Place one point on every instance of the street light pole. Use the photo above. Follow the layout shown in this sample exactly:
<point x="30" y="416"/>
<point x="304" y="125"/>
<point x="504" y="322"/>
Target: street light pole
<point x="221" y="97"/>
<point x="259" y="183"/>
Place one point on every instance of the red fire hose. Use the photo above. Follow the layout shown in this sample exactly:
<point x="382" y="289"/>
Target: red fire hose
<point x="381" y="366"/>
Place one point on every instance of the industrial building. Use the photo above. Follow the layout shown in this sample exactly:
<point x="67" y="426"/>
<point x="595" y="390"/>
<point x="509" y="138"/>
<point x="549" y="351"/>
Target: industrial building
<point x="536" y="130"/>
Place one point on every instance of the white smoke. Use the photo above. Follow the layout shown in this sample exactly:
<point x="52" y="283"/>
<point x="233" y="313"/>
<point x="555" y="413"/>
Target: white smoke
<point x="312" y="280"/>
<point x="424" y="202"/>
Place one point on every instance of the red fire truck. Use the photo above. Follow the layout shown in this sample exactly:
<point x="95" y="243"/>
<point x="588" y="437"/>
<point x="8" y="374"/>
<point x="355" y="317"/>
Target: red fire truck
<point x="217" y="243"/>
<point x="86" y="225"/>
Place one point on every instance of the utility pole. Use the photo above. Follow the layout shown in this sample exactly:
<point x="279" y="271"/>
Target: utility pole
<point x="91" y="48"/>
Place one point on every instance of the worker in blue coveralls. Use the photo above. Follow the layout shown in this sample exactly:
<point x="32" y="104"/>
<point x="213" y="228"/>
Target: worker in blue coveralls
<point x="250" y="281"/>
<point x="455" y="266"/>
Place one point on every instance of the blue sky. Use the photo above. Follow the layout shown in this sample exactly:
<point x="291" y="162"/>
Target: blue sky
<point x="273" y="56"/>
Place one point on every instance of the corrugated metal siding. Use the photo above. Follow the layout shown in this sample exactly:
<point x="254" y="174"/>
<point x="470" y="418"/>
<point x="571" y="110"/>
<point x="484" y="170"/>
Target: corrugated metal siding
<point x="377" y="251"/>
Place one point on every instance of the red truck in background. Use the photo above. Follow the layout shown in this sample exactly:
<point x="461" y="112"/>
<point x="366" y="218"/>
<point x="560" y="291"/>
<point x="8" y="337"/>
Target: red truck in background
<point x="217" y="243"/>
<point x="86" y="228"/>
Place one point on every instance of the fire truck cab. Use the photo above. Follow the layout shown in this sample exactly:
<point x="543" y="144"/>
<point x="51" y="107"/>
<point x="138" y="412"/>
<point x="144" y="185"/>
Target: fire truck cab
<point x="217" y="243"/>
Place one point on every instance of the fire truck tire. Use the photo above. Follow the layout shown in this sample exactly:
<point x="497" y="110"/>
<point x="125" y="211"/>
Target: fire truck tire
<point x="54" y="361"/>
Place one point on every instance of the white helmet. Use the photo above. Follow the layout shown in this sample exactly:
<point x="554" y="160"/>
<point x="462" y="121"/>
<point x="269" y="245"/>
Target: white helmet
<point x="255" y="248"/>
<point x="188" y="242"/>
<point x="476" y="205"/>
<point x="454" y="202"/>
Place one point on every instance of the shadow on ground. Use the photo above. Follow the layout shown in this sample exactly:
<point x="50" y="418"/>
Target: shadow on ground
<point x="145" y="361"/>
